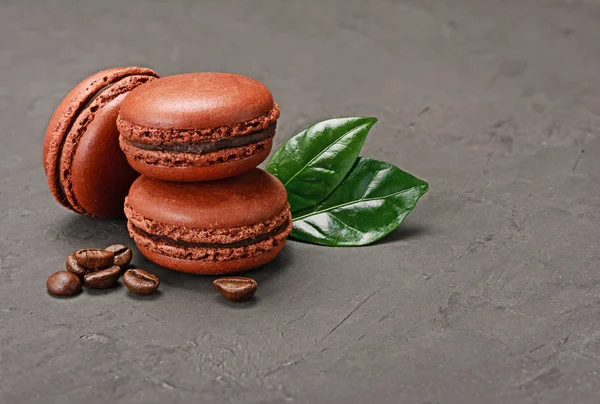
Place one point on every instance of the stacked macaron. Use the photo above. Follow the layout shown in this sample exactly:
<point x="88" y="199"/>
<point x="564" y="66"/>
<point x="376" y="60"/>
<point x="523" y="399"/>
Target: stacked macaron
<point x="198" y="127"/>
<point x="201" y="205"/>
<point x="86" y="170"/>
<point x="213" y="227"/>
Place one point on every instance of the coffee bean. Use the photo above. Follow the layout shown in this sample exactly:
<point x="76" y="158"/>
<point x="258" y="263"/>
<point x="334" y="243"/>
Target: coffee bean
<point x="236" y="288"/>
<point x="63" y="283"/>
<point x="103" y="278"/>
<point x="75" y="267"/>
<point x="94" y="258"/>
<point x="140" y="281"/>
<point x="122" y="254"/>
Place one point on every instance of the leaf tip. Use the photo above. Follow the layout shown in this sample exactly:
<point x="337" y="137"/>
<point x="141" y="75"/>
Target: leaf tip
<point x="371" y="119"/>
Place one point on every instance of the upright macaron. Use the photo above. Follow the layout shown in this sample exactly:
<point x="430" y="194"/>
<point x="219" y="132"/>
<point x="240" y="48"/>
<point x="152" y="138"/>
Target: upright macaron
<point x="198" y="126"/>
<point x="86" y="170"/>
<point x="213" y="227"/>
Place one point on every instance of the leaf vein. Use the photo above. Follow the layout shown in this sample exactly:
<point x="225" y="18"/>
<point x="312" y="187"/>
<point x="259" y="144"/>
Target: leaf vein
<point x="375" y="173"/>
<point x="324" y="151"/>
<point x="354" y="202"/>
<point x="346" y="224"/>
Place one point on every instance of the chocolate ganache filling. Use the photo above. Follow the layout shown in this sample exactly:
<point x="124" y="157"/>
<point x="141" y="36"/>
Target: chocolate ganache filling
<point x="242" y="243"/>
<point x="211" y="145"/>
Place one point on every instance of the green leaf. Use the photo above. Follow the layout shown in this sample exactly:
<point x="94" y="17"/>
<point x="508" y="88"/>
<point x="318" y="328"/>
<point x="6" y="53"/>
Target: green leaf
<point x="314" y="162"/>
<point x="371" y="201"/>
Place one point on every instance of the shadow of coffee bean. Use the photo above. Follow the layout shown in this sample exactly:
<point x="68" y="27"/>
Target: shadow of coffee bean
<point x="99" y="292"/>
<point x="253" y="301"/>
<point x="156" y="295"/>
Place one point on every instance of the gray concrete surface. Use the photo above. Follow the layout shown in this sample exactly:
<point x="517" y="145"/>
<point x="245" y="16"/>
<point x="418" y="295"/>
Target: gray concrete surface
<point x="488" y="293"/>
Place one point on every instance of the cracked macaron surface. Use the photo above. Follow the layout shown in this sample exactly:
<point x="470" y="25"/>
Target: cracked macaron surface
<point x="86" y="170"/>
<point x="198" y="126"/>
<point x="214" y="227"/>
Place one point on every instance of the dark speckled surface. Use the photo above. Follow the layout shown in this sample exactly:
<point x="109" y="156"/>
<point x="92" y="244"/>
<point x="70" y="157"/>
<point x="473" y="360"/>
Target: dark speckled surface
<point x="488" y="293"/>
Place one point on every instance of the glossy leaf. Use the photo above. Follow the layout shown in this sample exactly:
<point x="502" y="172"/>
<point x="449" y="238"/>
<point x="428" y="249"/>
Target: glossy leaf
<point x="314" y="162"/>
<point x="371" y="201"/>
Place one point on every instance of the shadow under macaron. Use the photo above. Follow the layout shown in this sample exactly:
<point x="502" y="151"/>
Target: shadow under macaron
<point x="80" y="231"/>
<point x="265" y="275"/>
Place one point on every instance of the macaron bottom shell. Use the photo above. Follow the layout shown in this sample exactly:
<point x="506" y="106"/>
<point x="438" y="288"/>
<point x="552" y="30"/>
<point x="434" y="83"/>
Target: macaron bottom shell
<point x="182" y="256"/>
<point x="200" y="267"/>
<point x="192" y="173"/>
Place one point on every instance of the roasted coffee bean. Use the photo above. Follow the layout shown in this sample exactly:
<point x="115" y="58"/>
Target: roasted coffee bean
<point x="94" y="258"/>
<point x="63" y="283"/>
<point x="75" y="267"/>
<point x="103" y="278"/>
<point x="236" y="288"/>
<point x="140" y="281"/>
<point x="122" y="254"/>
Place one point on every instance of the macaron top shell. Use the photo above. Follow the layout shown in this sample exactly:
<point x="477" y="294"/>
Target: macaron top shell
<point x="197" y="101"/>
<point x="243" y="200"/>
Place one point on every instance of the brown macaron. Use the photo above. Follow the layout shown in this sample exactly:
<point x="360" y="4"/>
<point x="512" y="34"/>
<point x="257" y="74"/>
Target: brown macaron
<point x="214" y="227"/>
<point x="86" y="170"/>
<point x="198" y="126"/>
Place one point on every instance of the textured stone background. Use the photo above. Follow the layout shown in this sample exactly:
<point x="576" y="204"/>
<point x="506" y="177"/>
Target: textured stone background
<point x="489" y="292"/>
